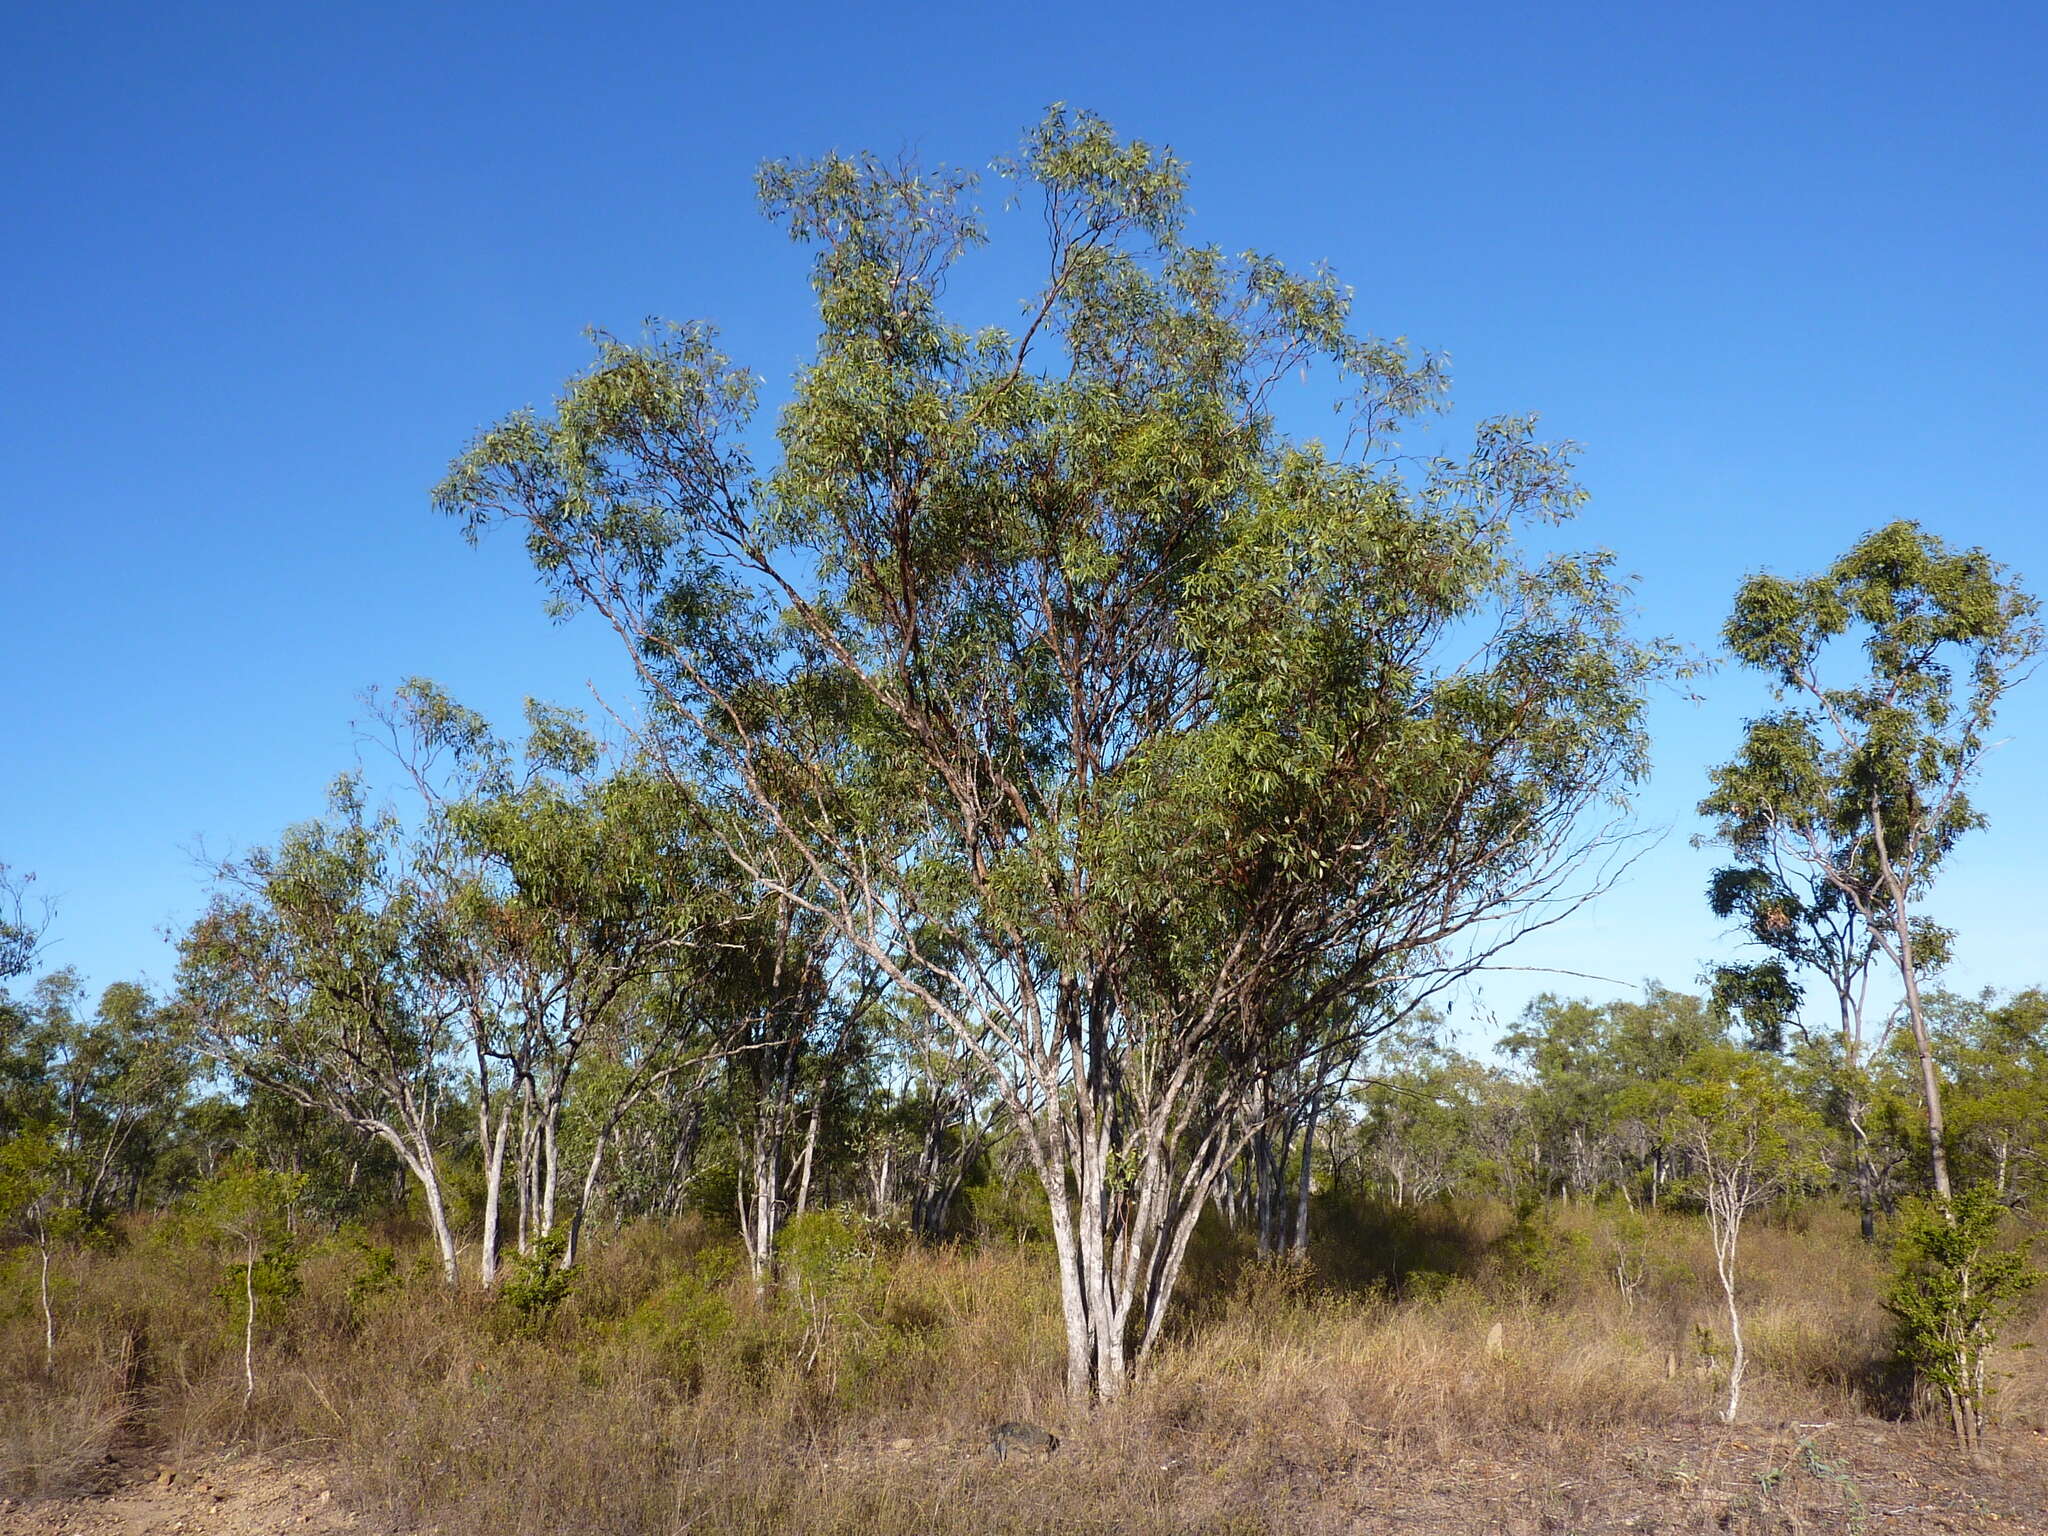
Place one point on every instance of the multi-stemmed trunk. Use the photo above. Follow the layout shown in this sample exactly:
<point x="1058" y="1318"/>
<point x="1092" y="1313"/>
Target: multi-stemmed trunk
<point x="1126" y="1185"/>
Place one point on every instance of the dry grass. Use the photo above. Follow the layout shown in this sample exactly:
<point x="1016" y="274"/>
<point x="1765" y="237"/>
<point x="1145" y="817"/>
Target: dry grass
<point x="665" y="1396"/>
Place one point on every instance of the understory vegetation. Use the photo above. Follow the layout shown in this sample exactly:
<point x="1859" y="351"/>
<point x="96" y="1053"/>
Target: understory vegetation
<point x="661" y="1391"/>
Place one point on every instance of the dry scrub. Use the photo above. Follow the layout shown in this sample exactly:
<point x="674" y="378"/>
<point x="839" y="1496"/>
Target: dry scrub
<point x="1419" y="1354"/>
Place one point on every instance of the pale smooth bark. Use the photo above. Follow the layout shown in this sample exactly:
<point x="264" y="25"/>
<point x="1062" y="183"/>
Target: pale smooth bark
<point x="249" y="1331"/>
<point x="49" y="1317"/>
<point x="1726" y="1232"/>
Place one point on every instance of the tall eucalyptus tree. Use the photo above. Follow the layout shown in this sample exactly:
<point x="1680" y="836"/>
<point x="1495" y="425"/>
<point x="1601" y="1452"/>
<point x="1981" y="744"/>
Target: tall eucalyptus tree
<point x="1089" y="706"/>
<point x="1862" y="779"/>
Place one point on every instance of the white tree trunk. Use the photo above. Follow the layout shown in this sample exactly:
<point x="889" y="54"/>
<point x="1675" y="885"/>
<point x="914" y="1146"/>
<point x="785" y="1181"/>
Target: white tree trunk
<point x="1724" y="1212"/>
<point x="249" y="1331"/>
<point x="803" y="1183"/>
<point x="49" y="1317"/>
<point x="494" y="1181"/>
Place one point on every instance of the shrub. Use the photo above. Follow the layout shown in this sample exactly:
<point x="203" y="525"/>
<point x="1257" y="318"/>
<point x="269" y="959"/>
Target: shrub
<point x="1954" y="1289"/>
<point x="536" y="1284"/>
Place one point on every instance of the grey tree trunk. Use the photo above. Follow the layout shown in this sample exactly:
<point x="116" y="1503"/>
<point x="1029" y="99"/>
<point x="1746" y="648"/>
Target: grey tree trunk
<point x="803" y="1183"/>
<point x="1930" y="1075"/>
<point x="1302" y="1182"/>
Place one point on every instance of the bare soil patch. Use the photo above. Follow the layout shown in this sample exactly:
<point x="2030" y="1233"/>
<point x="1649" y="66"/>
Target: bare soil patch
<point x="229" y="1496"/>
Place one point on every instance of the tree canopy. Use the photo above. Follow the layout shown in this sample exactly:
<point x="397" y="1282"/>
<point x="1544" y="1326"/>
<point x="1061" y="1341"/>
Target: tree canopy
<point x="1136" y="737"/>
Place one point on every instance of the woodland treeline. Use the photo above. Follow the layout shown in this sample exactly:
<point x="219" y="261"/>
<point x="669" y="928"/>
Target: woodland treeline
<point x="1062" y="797"/>
<point x="1577" y="1106"/>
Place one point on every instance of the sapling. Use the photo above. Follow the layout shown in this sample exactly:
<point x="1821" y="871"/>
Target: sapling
<point x="32" y="1205"/>
<point x="1749" y="1141"/>
<point x="1955" y="1287"/>
<point x="243" y="1212"/>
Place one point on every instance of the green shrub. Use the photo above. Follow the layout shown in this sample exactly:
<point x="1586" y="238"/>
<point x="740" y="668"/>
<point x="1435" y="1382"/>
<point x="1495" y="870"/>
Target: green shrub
<point x="372" y="1272"/>
<point x="536" y="1284"/>
<point x="1542" y="1257"/>
<point x="689" y="1322"/>
<point x="1954" y="1288"/>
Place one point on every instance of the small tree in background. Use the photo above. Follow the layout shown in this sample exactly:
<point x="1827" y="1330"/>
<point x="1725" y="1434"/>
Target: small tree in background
<point x="1955" y="1288"/>
<point x="1996" y="1055"/>
<point x="1749" y="1140"/>
<point x="243" y="1212"/>
<point x="33" y="1181"/>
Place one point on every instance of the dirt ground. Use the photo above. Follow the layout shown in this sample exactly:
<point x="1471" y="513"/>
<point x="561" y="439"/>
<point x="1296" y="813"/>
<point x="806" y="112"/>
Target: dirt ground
<point x="1864" y="1478"/>
<point x="242" y="1496"/>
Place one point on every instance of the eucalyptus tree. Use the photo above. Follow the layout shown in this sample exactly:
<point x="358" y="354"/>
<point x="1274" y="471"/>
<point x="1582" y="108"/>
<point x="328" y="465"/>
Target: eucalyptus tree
<point x="304" y="978"/>
<point x="1044" y="663"/>
<point x="105" y="1083"/>
<point x="1862" y="778"/>
<point x="1598" y="1076"/>
<point x="1747" y="1140"/>
<point x="1996" y="1056"/>
<point x="1422" y="1115"/>
<point x="562" y="904"/>
<point x="1786" y="905"/>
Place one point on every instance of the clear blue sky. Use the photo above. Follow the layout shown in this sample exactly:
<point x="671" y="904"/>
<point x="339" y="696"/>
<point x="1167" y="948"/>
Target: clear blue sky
<point x="1779" y="267"/>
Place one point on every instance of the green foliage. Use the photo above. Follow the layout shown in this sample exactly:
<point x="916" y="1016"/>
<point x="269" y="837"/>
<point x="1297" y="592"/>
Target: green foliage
<point x="1599" y="1098"/>
<point x="1762" y="997"/>
<point x="244" y="1209"/>
<point x="34" y="1177"/>
<point x="689" y="1320"/>
<point x="1749" y="1136"/>
<point x="272" y="1276"/>
<point x="1543" y="1258"/>
<point x="1958" y="1281"/>
<point x="1053" y="677"/>
<point x="1995" y="1056"/>
<point x="823" y="1249"/>
<point x="1009" y="1210"/>
<point x="536" y="1284"/>
<point x="373" y="1273"/>
<point x="1426" y="1119"/>
<point x="106" y="1085"/>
